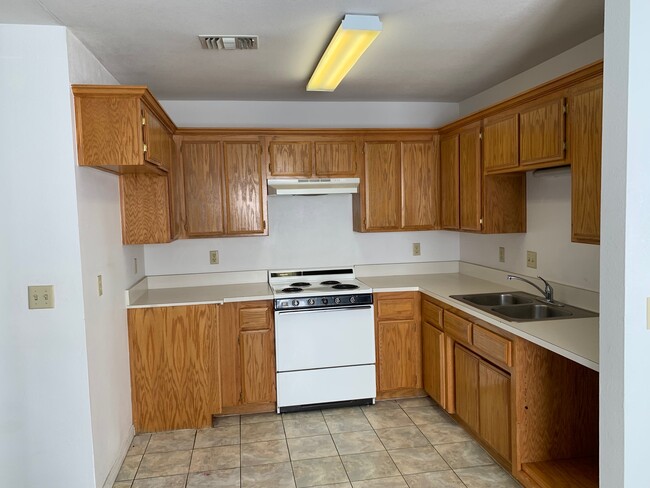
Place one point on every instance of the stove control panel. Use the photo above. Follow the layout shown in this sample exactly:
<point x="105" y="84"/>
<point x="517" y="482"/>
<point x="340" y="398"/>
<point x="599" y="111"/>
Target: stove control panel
<point x="324" y="301"/>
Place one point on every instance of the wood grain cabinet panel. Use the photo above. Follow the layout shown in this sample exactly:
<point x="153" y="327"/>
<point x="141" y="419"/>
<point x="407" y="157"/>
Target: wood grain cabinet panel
<point x="158" y="140"/>
<point x="432" y="313"/>
<point x="419" y="186"/>
<point x="204" y="185"/>
<point x="257" y="366"/>
<point x="492" y="345"/>
<point x="585" y="129"/>
<point x="145" y="209"/>
<point x="433" y="361"/>
<point x="174" y="367"/>
<point x="382" y="185"/>
<point x="467" y="387"/>
<point x="501" y="142"/>
<point x="336" y="159"/>
<point x="470" y="178"/>
<point x="541" y="132"/>
<point x="494" y="409"/>
<point x="458" y="328"/>
<point x="449" y="183"/>
<point x="291" y="158"/>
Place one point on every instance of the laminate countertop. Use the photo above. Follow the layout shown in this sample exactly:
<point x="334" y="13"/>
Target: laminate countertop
<point x="575" y="339"/>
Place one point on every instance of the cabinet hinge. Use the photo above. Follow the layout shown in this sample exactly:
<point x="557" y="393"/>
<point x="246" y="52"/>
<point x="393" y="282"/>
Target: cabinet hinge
<point x="564" y="146"/>
<point x="264" y="225"/>
<point x="144" y="121"/>
<point x="270" y="170"/>
<point x="480" y="221"/>
<point x="145" y="148"/>
<point x="480" y="135"/>
<point x="565" y="108"/>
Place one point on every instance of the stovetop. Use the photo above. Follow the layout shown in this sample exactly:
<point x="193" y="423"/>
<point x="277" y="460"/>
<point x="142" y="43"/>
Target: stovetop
<point x="315" y="282"/>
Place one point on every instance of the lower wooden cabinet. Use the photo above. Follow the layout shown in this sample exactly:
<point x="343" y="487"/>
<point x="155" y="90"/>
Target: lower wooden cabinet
<point x="433" y="351"/>
<point x="247" y="346"/>
<point x="174" y="367"/>
<point x="398" y="339"/>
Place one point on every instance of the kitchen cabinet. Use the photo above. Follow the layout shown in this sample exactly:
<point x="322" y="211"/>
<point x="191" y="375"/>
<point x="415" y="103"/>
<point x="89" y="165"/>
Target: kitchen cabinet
<point x="247" y="344"/>
<point x="433" y="351"/>
<point x="584" y="127"/>
<point x="470" y="177"/>
<point x="449" y="183"/>
<point x="501" y="142"/>
<point x="467" y="387"/>
<point x="174" y="360"/>
<point x="400" y="187"/>
<point x="144" y="200"/>
<point x="541" y="131"/>
<point x="398" y="344"/>
<point x="316" y="156"/>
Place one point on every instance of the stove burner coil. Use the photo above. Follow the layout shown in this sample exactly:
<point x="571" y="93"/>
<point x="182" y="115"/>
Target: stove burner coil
<point x="330" y="282"/>
<point x="342" y="286"/>
<point x="292" y="289"/>
<point x="301" y="284"/>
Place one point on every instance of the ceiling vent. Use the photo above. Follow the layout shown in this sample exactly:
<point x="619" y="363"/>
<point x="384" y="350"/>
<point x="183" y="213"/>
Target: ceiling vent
<point x="228" y="42"/>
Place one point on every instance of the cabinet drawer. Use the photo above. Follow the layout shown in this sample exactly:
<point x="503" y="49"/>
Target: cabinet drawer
<point x="254" y="318"/>
<point x="432" y="313"/>
<point x="493" y="345"/>
<point x="458" y="328"/>
<point x="397" y="308"/>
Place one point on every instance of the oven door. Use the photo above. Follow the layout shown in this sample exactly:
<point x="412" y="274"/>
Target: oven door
<point x="324" y="338"/>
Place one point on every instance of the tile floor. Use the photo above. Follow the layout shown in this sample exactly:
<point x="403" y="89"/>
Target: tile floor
<point x="404" y="443"/>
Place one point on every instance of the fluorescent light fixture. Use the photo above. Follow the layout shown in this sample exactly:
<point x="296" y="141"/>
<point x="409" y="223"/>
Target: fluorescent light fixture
<point x="351" y="40"/>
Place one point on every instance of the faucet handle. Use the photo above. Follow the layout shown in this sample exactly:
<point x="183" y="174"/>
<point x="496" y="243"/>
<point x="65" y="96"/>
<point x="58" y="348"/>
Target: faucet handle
<point x="548" y="289"/>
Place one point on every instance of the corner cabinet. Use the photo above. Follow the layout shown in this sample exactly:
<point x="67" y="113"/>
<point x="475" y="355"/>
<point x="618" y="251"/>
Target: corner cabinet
<point x="400" y="185"/>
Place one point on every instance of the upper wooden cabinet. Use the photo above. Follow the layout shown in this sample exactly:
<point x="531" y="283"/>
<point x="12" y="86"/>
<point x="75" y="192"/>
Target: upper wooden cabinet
<point x="584" y="127"/>
<point x="449" y="183"/>
<point x="501" y="142"/>
<point x="312" y="156"/>
<point x="470" y="177"/>
<point x="541" y="131"/>
<point x="122" y="129"/>
<point x="400" y="186"/>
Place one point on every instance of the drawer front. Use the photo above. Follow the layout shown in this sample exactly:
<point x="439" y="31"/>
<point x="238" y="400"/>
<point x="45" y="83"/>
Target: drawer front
<point x="397" y="308"/>
<point x="458" y="328"/>
<point x="493" y="345"/>
<point x="254" y="318"/>
<point x="432" y="313"/>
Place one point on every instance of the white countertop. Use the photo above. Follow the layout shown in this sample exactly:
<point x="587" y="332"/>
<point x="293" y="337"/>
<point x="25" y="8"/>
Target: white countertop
<point x="196" y="295"/>
<point x="575" y="339"/>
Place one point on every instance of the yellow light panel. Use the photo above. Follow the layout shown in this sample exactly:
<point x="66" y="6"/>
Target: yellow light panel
<point x="344" y="50"/>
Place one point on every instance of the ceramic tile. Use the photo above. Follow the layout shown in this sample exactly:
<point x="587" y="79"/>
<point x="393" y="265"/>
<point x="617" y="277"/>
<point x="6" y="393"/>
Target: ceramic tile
<point x="223" y="478"/>
<point x="177" y="481"/>
<point x="308" y="415"/>
<point x="486" y="477"/>
<point x="160" y="464"/>
<point x="464" y="454"/>
<point x="418" y="460"/>
<point x="337" y="485"/>
<point x="347" y="423"/>
<point x="437" y="479"/>
<point x="257" y="418"/>
<point x="415" y="402"/>
<point x="305" y="427"/>
<point x="176" y="440"/>
<point x="357" y="442"/>
<point x="444" y="433"/>
<point x="381" y="404"/>
<point x="226" y="435"/>
<point x="213" y="458"/>
<point x="220" y="421"/>
<point x="369" y="465"/>
<point x="267" y="476"/>
<point x="138" y="444"/>
<point x="427" y="415"/>
<point x="264" y="431"/>
<point x="402" y="437"/>
<point x="311" y="447"/>
<point x="129" y="468"/>
<point x="392" y="482"/>
<point x="321" y="471"/>
<point x="122" y="484"/>
<point x="384" y="418"/>
<point x="268" y="452"/>
<point x="343" y="411"/>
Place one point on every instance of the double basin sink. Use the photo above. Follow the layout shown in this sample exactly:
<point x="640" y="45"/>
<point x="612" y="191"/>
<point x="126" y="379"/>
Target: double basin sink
<point x="522" y="307"/>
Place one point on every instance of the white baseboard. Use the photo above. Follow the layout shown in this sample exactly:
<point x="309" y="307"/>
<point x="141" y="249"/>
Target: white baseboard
<point x="112" y="475"/>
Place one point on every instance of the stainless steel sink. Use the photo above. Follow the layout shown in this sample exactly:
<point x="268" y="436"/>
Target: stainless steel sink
<point x="522" y="307"/>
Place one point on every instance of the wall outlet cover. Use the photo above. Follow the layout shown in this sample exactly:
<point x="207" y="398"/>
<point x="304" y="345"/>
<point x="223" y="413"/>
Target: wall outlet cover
<point x="416" y="249"/>
<point x="531" y="259"/>
<point x="41" y="296"/>
<point x="502" y="254"/>
<point x="214" y="257"/>
<point x="100" y="285"/>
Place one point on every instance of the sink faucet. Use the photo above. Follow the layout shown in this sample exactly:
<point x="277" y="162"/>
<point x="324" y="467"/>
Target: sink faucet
<point x="547" y="291"/>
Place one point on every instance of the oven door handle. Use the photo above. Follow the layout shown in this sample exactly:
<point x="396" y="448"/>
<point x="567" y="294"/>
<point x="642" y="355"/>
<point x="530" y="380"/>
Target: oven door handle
<point x="333" y="309"/>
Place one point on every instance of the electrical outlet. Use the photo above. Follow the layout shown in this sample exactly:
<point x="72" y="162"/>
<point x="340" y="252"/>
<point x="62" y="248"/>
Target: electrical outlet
<point x="502" y="254"/>
<point x="41" y="296"/>
<point x="416" y="249"/>
<point x="100" y="286"/>
<point x="531" y="259"/>
<point x="214" y="257"/>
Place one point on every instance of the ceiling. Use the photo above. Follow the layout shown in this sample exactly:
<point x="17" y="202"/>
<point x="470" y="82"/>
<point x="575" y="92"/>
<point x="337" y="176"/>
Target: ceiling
<point x="429" y="50"/>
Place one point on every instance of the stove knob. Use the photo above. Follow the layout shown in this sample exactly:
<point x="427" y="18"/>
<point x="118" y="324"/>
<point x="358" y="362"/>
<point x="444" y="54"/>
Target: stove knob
<point x="325" y="301"/>
<point x="311" y="301"/>
<point x="352" y="299"/>
<point x="295" y="303"/>
<point x="337" y="300"/>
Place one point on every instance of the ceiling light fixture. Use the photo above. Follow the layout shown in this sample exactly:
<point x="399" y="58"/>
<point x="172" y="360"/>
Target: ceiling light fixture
<point x="350" y="41"/>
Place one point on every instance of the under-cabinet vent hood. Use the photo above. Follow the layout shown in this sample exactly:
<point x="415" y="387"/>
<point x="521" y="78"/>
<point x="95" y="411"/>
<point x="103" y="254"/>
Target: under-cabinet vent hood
<point x="312" y="186"/>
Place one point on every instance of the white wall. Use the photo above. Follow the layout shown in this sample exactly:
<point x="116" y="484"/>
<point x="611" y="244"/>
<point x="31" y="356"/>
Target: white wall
<point x="102" y="253"/>
<point x="304" y="231"/>
<point x="588" y="52"/>
<point x="625" y="282"/>
<point x="45" y="425"/>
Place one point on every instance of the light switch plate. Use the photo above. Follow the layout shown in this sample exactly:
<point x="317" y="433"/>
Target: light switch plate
<point x="416" y="249"/>
<point x="531" y="259"/>
<point x="41" y="296"/>
<point x="502" y="254"/>
<point x="214" y="257"/>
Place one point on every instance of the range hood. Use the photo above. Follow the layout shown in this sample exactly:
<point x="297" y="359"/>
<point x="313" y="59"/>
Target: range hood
<point x="312" y="186"/>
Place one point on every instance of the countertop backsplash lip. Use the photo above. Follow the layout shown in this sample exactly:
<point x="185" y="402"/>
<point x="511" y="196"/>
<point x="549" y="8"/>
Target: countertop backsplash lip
<point x="207" y="279"/>
<point x="419" y="268"/>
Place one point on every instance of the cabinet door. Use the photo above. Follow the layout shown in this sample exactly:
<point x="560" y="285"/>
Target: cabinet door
<point x="501" y="142"/>
<point x="382" y="186"/>
<point x="145" y="209"/>
<point x="433" y="361"/>
<point x="244" y="177"/>
<point x="203" y="179"/>
<point x="336" y="159"/>
<point x="257" y="349"/>
<point x="399" y="357"/>
<point x="541" y="132"/>
<point x="467" y="387"/>
<point x="291" y="158"/>
<point x="585" y="137"/>
<point x="419" y="182"/>
<point x="470" y="178"/>
<point x="449" y="183"/>
<point x="158" y="140"/>
<point x="177" y="195"/>
<point x="174" y="367"/>
<point x="494" y="406"/>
